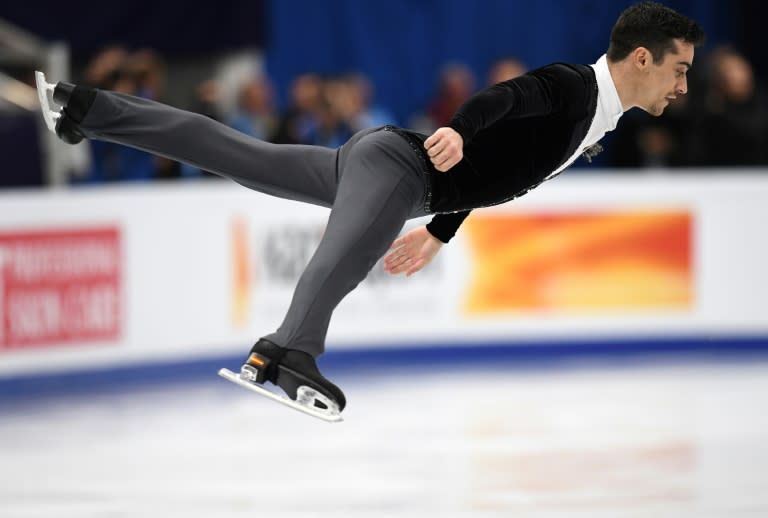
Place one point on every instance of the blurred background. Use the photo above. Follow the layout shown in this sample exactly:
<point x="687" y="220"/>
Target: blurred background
<point x="596" y="348"/>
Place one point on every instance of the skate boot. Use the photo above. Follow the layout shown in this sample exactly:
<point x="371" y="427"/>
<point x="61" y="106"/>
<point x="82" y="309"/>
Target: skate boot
<point x="296" y="373"/>
<point x="75" y="101"/>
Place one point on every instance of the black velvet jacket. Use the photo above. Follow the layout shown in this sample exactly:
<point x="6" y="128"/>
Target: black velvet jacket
<point x="516" y="134"/>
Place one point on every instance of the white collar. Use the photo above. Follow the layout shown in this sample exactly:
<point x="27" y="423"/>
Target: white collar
<point x="607" y="96"/>
<point x="607" y="112"/>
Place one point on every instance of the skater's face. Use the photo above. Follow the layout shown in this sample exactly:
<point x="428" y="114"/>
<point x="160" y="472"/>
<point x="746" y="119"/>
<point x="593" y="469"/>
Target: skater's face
<point x="663" y="82"/>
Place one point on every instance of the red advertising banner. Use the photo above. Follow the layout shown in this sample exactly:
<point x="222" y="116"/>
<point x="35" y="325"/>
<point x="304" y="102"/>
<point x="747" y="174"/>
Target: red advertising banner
<point x="59" y="286"/>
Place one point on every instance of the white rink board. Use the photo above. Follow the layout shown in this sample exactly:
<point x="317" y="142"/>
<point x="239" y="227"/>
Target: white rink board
<point x="207" y="267"/>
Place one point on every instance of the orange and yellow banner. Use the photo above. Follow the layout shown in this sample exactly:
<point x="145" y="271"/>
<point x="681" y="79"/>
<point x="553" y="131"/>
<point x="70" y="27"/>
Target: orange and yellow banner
<point x="579" y="262"/>
<point x="241" y="273"/>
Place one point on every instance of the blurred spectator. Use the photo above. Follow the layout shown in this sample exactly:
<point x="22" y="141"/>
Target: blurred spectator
<point x="734" y="125"/>
<point x="255" y="112"/>
<point x="644" y="141"/>
<point x="721" y="122"/>
<point x="114" y="68"/>
<point x="505" y="69"/>
<point x="362" y="112"/>
<point x="147" y="70"/>
<point x="455" y="85"/>
<point x="206" y="101"/>
<point x="334" y="116"/>
<point x="302" y="116"/>
<point x="346" y="109"/>
<point x="106" y="70"/>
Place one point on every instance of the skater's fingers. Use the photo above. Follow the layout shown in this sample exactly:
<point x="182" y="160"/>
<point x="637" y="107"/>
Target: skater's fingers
<point x="445" y="148"/>
<point x="436" y="149"/>
<point x="446" y="160"/>
<point x="400" y="266"/>
<point x="441" y="135"/>
<point x="402" y="241"/>
<point x="405" y="258"/>
<point x="397" y="243"/>
<point x="403" y="261"/>
<point x="389" y="267"/>
<point x="393" y="263"/>
<point x="390" y="271"/>
<point x="431" y="141"/>
<point x="415" y="267"/>
<point x="395" y="256"/>
<point x="397" y="249"/>
<point x="441" y="163"/>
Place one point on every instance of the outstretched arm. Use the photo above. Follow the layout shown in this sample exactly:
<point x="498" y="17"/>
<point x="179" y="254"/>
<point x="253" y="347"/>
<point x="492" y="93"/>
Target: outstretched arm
<point x="412" y="252"/>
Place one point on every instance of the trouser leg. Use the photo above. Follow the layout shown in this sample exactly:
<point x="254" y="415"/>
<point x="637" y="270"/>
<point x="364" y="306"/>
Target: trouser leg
<point x="296" y="172"/>
<point x="375" y="187"/>
<point x="380" y="189"/>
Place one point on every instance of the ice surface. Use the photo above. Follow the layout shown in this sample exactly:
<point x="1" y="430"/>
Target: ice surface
<point x="656" y="441"/>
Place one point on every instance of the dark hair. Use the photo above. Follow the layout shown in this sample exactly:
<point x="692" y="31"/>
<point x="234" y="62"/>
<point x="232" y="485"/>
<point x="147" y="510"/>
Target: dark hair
<point x="653" y="26"/>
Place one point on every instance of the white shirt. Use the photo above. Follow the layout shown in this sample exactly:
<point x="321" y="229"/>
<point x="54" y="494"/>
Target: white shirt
<point x="607" y="115"/>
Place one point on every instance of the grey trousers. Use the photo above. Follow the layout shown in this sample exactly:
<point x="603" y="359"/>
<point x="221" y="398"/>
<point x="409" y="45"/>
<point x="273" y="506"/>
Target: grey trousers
<point x="373" y="184"/>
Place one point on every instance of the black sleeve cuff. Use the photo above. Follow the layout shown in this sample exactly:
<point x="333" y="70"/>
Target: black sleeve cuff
<point x="444" y="226"/>
<point x="456" y="125"/>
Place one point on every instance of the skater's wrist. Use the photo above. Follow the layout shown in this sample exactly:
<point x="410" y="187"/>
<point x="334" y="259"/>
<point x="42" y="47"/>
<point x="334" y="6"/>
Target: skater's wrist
<point x="437" y="235"/>
<point x="444" y="226"/>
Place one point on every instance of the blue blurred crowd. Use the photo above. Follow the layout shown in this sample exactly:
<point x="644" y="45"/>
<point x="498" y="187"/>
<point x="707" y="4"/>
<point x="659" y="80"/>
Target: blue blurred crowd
<point x="722" y="122"/>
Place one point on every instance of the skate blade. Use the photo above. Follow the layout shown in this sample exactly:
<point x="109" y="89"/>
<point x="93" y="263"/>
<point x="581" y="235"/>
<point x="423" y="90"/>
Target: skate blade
<point x="43" y="88"/>
<point x="331" y="415"/>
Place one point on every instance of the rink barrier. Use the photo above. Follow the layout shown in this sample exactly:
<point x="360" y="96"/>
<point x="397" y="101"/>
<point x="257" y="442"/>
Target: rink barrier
<point x="384" y="359"/>
<point x="143" y="275"/>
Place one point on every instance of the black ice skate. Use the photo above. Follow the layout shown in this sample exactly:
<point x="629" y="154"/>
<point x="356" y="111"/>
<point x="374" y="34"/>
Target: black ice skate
<point x="296" y="373"/>
<point x="74" y="102"/>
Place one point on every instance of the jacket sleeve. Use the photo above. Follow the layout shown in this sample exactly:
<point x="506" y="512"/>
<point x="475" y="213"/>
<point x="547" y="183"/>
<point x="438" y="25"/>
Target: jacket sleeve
<point x="524" y="96"/>
<point x="556" y="88"/>
<point x="534" y="94"/>
<point x="444" y="226"/>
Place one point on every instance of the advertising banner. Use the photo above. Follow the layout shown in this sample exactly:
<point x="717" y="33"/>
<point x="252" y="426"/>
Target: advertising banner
<point x="59" y="286"/>
<point x="125" y="275"/>
<point x="580" y="261"/>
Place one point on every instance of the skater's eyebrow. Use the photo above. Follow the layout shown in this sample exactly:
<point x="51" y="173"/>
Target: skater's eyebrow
<point x="685" y="63"/>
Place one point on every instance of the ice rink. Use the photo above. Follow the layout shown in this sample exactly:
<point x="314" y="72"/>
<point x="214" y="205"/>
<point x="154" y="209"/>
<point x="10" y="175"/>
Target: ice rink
<point x="640" y="439"/>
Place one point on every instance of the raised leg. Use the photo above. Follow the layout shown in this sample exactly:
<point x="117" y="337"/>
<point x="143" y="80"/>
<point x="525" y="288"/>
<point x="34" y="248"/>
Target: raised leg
<point x="296" y="172"/>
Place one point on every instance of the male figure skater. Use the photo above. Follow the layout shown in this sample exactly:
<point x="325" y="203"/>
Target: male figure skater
<point x="501" y="143"/>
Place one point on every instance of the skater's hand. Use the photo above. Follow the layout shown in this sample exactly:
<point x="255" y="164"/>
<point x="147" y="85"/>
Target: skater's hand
<point x="445" y="148"/>
<point x="412" y="252"/>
